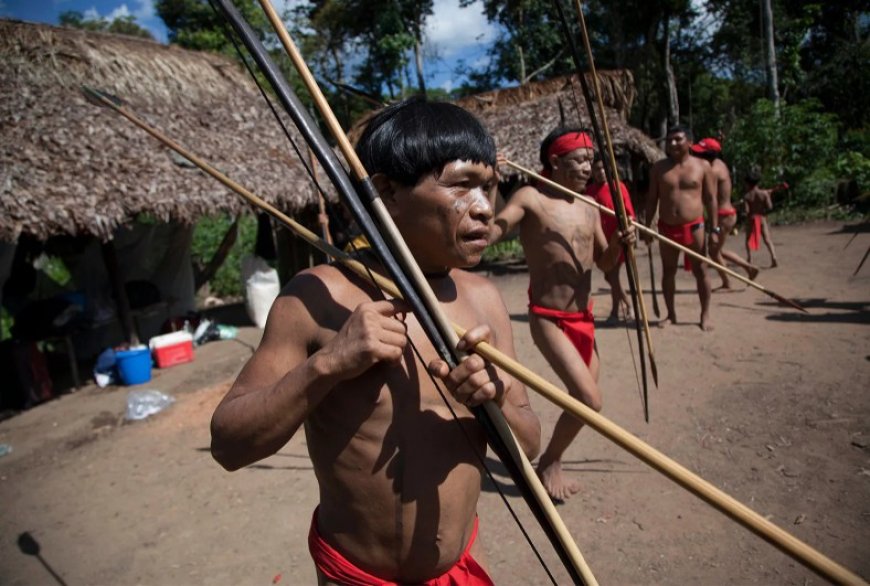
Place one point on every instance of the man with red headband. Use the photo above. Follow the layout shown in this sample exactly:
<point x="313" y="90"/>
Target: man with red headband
<point x="562" y="238"/>
<point x="681" y="188"/>
<point x="710" y="150"/>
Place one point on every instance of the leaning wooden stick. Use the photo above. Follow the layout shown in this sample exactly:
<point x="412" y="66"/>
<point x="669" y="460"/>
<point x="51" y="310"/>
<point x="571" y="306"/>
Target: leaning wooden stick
<point x="786" y="542"/>
<point x="655" y="235"/>
<point x="652" y="280"/>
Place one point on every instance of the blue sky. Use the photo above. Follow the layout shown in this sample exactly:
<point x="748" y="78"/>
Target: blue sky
<point x="452" y="33"/>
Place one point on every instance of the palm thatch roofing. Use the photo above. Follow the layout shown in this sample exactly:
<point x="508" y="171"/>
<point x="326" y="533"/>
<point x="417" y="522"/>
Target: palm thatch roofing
<point x="69" y="167"/>
<point x="520" y="117"/>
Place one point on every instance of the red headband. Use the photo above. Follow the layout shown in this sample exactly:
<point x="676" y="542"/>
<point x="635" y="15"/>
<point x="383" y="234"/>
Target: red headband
<point x="569" y="142"/>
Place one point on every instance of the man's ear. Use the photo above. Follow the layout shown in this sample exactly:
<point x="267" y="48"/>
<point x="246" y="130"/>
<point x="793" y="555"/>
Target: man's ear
<point x="554" y="161"/>
<point x="386" y="189"/>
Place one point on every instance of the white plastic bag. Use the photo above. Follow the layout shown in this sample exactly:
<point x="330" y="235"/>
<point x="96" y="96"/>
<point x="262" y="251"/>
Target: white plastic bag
<point x="261" y="288"/>
<point x="141" y="404"/>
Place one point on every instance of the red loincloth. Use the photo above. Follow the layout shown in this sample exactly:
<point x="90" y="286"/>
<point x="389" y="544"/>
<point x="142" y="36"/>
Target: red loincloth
<point x="578" y="326"/>
<point x="600" y="192"/>
<point x="682" y="234"/>
<point x="726" y="212"/>
<point x="465" y="572"/>
<point x="753" y="238"/>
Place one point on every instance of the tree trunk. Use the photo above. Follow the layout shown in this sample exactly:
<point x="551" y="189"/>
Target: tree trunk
<point x="522" y="64"/>
<point x="770" y="55"/>
<point x="418" y="60"/>
<point x="673" y="99"/>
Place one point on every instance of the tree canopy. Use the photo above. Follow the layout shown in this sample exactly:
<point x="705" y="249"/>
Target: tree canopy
<point x="702" y="63"/>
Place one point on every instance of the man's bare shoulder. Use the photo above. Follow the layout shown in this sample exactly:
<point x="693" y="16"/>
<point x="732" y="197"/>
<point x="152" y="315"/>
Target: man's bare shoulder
<point x="721" y="169"/>
<point x="317" y="290"/>
<point x="475" y="286"/>
<point x="662" y="165"/>
<point x="525" y="196"/>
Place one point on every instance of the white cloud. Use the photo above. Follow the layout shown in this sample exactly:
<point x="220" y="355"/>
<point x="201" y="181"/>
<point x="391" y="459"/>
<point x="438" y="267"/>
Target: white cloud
<point x="120" y="12"/>
<point x="91" y="14"/>
<point x="452" y="29"/>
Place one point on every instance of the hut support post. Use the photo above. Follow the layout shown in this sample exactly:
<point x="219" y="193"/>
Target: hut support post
<point x="125" y="316"/>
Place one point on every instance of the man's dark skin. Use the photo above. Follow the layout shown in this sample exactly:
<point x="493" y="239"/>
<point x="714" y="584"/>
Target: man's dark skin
<point x="399" y="480"/>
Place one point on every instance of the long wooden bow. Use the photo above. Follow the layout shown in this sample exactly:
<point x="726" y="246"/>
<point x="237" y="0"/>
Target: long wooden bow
<point x="605" y="145"/>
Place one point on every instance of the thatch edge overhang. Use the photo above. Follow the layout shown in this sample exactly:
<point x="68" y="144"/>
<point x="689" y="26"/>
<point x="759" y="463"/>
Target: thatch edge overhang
<point x="520" y="117"/>
<point x="68" y="167"/>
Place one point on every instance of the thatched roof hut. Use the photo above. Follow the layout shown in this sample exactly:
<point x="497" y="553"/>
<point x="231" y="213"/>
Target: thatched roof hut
<point x="69" y="167"/>
<point x="521" y="117"/>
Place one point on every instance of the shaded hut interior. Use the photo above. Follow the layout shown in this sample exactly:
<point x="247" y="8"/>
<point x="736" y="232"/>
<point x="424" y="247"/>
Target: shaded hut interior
<point x="83" y="184"/>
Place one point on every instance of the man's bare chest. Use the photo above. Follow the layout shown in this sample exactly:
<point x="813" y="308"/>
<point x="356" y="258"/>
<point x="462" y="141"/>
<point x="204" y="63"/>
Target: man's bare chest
<point x="683" y="180"/>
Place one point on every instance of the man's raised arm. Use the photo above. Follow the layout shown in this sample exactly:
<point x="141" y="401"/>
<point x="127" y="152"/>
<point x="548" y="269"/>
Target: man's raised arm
<point x="510" y="217"/>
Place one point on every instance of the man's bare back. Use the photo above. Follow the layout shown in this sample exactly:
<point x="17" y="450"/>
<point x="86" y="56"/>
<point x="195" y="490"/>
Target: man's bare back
<point x="758" y="201"/>
<point x="722" y="178"/>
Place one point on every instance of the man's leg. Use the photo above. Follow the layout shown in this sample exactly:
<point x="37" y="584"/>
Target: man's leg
<point x="768" y="241"/>
<point x="702" y="279"/>
<point x="670" y="257"/>
<point x="750" y="269"/>
<point x="617" y="293"/>
<point x="716" y="254"/>
<point x="581" y="382"/>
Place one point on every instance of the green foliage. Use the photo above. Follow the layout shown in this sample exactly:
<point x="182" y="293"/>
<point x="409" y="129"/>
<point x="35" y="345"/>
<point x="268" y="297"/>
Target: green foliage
<point x="194" y="24"/>
<point x="506" y="250"/>
<point x="207" y="235"/>
<point x="6" y="322"/>
<point x="123" y="25"/>
<point x="54" y="268"/>
<point x="800" y="147"/>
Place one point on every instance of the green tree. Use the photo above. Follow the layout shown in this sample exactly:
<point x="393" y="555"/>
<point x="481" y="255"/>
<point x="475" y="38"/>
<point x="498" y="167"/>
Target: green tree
<point x="194" y="24"/>
<point x="799" y="147"/>
<point x="530" y="45"/>
<point x="122" y="25"/>
<point x="382" y="35"/>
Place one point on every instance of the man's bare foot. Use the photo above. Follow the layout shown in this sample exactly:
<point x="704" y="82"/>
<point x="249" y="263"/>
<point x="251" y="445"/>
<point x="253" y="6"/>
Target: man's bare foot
<point x="556" y="486"/>
<point x="773" y="263"/>
<point x="705" y="323"/>
<point x="753" y="272"/>
<point x="663" y="323"/>
<point x="725" y="286"/>
<point x="612" y="319"/>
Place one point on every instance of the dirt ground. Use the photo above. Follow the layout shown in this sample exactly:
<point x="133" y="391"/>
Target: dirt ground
<point x="772" y="407"/>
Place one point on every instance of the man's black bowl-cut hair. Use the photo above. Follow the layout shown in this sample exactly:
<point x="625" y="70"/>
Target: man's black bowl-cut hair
<point x="414" y="137"/>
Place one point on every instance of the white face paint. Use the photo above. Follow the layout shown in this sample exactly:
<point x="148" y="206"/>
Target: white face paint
<point x="481" y="198"/>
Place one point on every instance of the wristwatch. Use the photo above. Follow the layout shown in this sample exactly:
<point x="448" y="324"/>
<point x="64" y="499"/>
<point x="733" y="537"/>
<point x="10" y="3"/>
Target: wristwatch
<point x="716" y="230"/>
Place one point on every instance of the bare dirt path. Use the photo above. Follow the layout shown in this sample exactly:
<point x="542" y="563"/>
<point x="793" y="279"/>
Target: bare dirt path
<point x="772" y="407"/>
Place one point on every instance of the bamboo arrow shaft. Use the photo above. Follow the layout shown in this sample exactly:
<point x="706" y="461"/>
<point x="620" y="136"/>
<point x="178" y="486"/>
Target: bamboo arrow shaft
<point x="649" y="231"/>
<point x="657" y="460"/>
